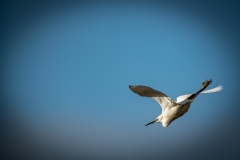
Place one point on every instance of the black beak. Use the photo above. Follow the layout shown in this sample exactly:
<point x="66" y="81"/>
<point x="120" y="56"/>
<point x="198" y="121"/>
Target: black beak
<point x="151" y="122"/>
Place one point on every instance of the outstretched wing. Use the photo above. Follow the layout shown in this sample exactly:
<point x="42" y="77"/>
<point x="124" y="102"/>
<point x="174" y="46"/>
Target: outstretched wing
<point x="217" y="89"/>
<point x="160" y="97"/>
<point x="184" y="97"/>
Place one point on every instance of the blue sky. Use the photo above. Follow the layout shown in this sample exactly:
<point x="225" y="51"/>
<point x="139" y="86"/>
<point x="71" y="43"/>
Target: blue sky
<point x="67" y="75"/>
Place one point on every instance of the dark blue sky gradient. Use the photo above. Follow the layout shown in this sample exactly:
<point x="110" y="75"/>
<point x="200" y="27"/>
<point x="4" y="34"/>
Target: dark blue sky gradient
<point x="66" y="67"/>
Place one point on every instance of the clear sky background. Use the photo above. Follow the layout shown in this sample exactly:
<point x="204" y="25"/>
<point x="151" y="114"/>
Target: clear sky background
<point x="66" y="68"/>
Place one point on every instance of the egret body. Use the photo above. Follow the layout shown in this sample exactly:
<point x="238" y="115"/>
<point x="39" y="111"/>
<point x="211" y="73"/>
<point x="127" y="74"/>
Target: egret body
<point x="171" y="109"/>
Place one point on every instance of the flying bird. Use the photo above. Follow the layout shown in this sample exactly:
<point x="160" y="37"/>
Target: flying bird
<point x="171" y="109"/>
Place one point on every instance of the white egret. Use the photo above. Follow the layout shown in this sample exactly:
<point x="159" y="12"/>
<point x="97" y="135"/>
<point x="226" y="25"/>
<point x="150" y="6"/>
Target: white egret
<point x="171" y="109"/>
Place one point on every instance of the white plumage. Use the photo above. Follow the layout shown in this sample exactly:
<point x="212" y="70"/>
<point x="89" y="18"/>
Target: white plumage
<point x="183" y="97"/>
<point x="171" y="109"/>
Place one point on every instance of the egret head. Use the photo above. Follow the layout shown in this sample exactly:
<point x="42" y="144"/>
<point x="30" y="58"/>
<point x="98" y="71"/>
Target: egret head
<point x="157" y="120"/>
